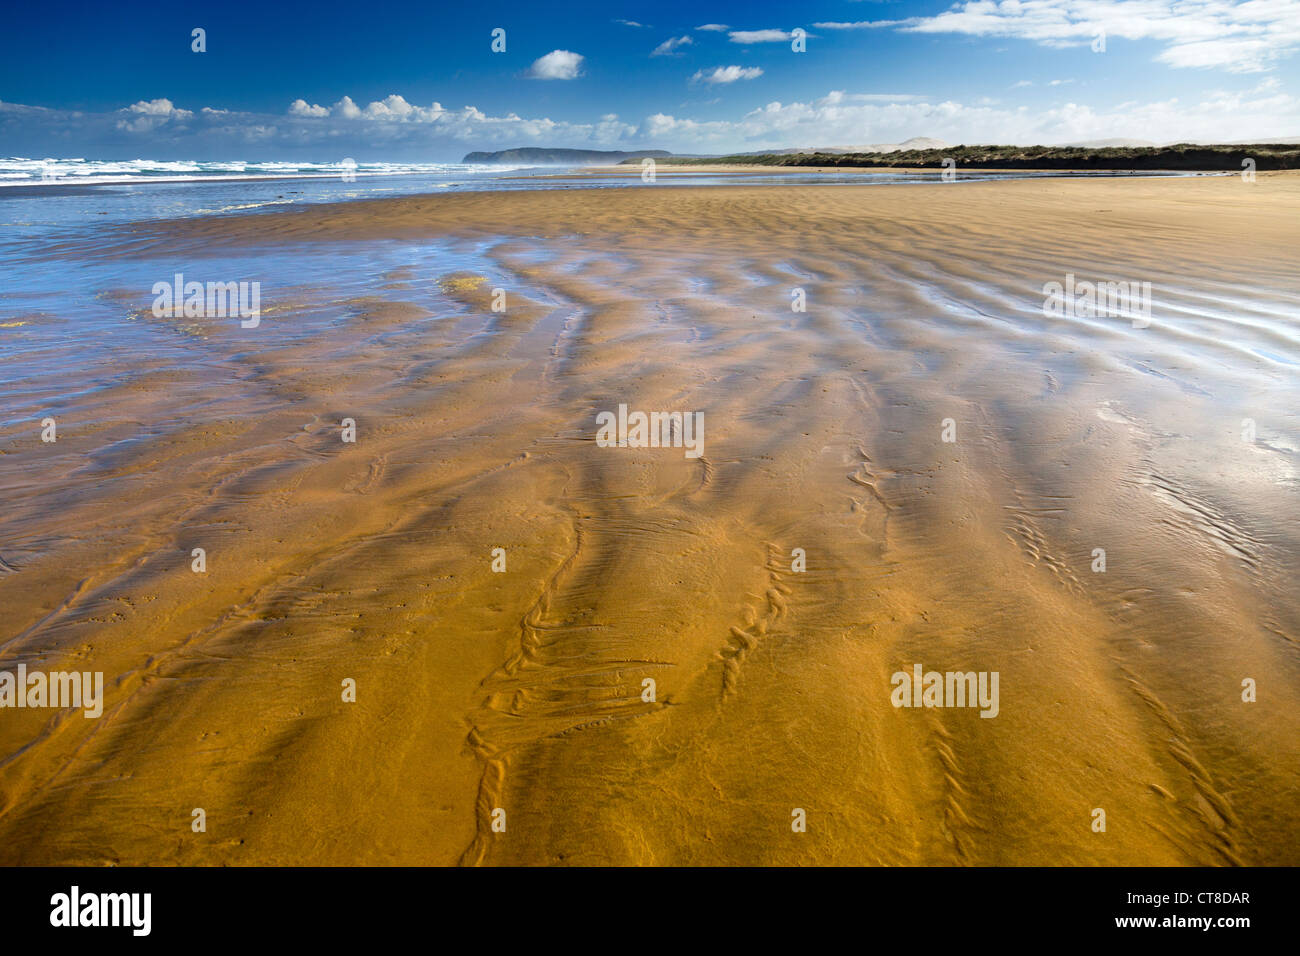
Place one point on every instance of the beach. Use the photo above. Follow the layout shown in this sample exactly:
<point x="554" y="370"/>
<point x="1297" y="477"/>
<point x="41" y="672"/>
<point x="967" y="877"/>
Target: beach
<point x="562" y="651"/>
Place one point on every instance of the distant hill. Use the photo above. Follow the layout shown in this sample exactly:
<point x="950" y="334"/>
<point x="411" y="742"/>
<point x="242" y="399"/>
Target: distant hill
<point x="1095" y="143"/>
<point x="1112" y="143"/>
<point x="1285" y="140"/>
<point x="563" y="157"/>
<point x="1181" y="156"/>
<point x="916" y="142"/>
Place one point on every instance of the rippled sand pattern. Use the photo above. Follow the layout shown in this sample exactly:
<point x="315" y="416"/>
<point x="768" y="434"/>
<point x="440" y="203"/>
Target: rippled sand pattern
<point x="526" y="690"/>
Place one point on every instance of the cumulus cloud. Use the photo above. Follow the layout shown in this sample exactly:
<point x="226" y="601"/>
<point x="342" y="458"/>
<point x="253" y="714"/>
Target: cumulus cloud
<point x="346" y="109"/>
<point x="713" y="27"/>
<point x="727" y="74"/>
<point x="672" y="43"/>
<point x="1241" y="36"/>
<point x="394" y="108"/>
<point x="161" y="107"/>
<point x="302" y="108"/>
<point x="556" y="65"/>
<point x="149" y="115"/>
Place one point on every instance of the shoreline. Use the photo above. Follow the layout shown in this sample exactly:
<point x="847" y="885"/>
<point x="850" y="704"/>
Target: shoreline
<point x="57" y="187"/>
<point x="614" y="209"/>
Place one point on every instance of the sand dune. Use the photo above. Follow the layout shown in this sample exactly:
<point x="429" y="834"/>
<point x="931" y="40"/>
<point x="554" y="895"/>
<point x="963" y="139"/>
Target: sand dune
<point x="526" y="690"/>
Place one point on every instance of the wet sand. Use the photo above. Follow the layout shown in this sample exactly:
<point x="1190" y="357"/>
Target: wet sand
<point x="525" y="690"/>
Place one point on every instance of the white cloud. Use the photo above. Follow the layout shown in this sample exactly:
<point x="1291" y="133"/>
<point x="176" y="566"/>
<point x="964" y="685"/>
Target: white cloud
<point x="302" y="108"/>
<point x="1241" y="36"/>
<point x="632" y="23"/>
<point x="857" y="24"/>
<point x="161" y="107"/>
<point x="713" y="27"/>
<point x="347" y="109"/>
<point x="394" y="107"/>
<point x="758" y="36"/>
<point x="556" y="65"/>
<point x="147" y="115"/>
<point x="727" y="74"/>
<point x="394" y="120"/>
<point x="672" y="43"/>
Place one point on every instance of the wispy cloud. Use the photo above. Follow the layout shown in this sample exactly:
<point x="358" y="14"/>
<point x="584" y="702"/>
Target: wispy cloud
<point x="632" y="23"/>
<point x="1241" y="36"/>
<point x="876" y="97"/>
<point x="727" y="74"/>
<point x="713" y="27"/>
<point x="857" y="24"/>
<point x="668" y="47"/>
<point x="758" y="36"/>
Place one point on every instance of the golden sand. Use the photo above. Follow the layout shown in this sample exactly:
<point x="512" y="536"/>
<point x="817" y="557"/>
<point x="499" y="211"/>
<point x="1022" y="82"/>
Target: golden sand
<point x="526" y="691"/>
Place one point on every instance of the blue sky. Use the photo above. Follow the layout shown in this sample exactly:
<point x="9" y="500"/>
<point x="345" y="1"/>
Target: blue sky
<point x="420" y="81"/>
